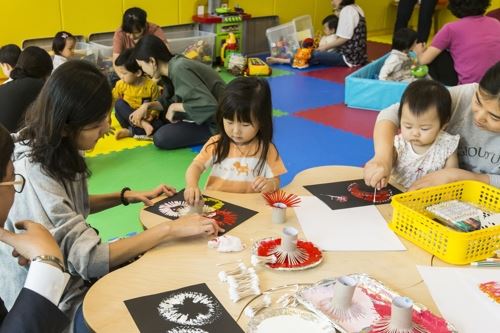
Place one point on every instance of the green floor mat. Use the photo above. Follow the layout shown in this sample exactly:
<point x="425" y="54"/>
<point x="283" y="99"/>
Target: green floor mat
<point x="146" y="167"/>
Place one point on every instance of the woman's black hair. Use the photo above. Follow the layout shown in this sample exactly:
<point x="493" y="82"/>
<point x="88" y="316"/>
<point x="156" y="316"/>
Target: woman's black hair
<point x="332" y="20"/>
<point x="76" y="95"/>
<point x="149" y="47"/>
<point x="464" y="8"/>
<point x="33" y="62"/>
<point x="489" y="84"/>
<point x="246" y="99"/>
<point x="59" y="41"/>
<point x="134" y="20"/>
<point x="127" y="60"/>
<point x="9" y="54"/>
<point x="423" y="94"/>
<point x="344" y="3"/>
<point x="404" y="39"/>
<point x="6" y="150"/>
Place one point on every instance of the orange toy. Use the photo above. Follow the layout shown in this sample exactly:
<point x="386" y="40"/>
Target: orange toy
<point x="302" y="56"/>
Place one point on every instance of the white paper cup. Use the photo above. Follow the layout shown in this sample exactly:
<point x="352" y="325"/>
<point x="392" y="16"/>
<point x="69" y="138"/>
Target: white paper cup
<point x="343" y="291"/>
<point x="279" y="213"/>
<point x="401" y="313"/>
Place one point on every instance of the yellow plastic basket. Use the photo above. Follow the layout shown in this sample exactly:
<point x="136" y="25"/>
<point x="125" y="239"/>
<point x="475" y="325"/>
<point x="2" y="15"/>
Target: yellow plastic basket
<point x="412" y="221"/>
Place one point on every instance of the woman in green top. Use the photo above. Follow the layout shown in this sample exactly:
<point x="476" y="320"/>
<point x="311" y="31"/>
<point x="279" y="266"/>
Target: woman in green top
<point x="190" y="96"/>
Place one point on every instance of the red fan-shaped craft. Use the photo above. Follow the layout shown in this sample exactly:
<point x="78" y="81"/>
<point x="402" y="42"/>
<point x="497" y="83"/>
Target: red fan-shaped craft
<point x="281" y="197"/>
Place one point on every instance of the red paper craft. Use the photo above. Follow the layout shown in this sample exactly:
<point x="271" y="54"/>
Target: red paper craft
<point x="289" y="200"/>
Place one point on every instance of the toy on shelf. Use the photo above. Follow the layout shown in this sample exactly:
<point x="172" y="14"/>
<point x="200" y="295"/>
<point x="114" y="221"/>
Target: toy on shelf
<point x="200" y="50"/>
<point x="302" y="56"/>
<point x="230" y="45"/>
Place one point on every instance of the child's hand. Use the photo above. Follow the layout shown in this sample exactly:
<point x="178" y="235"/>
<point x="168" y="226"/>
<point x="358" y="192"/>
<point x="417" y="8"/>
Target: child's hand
<point x="138" y="115"/>
<point x="145" y="196"/>
<point x="111" y="131"/>
<point x="192" y="195"/>
<point x="376" y="173"/>
<point x="264" y="185"/>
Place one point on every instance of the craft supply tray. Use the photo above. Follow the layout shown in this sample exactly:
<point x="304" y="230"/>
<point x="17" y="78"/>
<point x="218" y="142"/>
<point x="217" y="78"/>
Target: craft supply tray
<point x="412" y="221"/>
<point x="380" y="298"/>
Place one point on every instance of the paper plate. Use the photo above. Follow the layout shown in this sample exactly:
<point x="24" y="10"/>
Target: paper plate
<point x="264" y="246"/>
<point x="289" y="320"/>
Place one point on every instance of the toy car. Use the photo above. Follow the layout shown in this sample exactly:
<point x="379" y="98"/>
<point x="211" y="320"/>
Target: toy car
<point x="256" y="66"/>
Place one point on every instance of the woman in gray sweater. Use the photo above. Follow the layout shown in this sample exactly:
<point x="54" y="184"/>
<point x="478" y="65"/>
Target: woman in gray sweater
<point x="69" y="116"/>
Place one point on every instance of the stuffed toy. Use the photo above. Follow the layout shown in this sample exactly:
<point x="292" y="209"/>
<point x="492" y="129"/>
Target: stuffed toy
<point x="303" y="54"/>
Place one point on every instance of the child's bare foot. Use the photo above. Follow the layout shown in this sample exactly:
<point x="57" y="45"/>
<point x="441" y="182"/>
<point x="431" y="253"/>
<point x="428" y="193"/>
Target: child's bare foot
<point x="123" y="133"/>
<point x="147" y="127"/>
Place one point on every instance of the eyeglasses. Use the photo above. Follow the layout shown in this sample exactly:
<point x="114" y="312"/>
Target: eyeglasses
<point x="18" y="183"/>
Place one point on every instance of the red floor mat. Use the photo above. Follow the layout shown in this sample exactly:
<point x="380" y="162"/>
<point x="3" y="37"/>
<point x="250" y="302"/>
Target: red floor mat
<point x="341" y="117"/>
<point x="334" y="74"/>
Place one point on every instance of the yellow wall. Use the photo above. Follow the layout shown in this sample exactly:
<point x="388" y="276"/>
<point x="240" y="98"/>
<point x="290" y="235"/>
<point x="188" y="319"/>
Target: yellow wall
<point x="27" y="19"/>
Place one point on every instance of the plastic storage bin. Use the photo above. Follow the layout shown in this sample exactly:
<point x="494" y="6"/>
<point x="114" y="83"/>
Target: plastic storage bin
<point x="194" y="44"/>
<point x="412" y="221"/>
<point x="84" y="51"/>
<point x="303" y="27"/>
<point x="103" y="47"/>
<point x="283" y="41"/>
<point x="364" y="90"/>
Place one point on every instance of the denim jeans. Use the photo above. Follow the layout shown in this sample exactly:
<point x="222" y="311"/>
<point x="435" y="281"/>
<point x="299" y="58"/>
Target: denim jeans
<point x="331" y="58"/>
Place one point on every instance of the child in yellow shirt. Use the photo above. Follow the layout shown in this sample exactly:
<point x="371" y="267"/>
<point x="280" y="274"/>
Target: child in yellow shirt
<point x="130" y="92"/>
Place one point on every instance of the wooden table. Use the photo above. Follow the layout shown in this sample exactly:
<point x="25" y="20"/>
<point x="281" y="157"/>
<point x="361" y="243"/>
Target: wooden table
<point x="189" y="261"/>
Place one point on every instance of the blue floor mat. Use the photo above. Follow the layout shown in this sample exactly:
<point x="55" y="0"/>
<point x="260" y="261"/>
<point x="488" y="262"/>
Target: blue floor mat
<point x="296" y="93"/>
<point x="303" y="144"/>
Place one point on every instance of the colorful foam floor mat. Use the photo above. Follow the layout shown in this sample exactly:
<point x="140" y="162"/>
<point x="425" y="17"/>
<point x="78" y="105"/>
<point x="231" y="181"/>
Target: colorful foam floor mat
<point x="312" y="126"/>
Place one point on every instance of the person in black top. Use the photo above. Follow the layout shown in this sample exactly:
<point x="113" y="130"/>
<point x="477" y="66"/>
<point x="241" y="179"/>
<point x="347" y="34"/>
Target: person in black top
<point x="33" y="67"/>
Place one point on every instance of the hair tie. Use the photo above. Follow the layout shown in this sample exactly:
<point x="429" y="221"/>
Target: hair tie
<point x="64" y="35"/>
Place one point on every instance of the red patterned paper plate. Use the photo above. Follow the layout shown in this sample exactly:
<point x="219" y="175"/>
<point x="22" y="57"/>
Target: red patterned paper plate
<point x="264" y="246"/>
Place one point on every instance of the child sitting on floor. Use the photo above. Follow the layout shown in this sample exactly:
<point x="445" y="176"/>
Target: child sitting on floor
<point x="242" y="157"/>
<point x="330" y="24"/>
<point x="398" y="65"/>
<point x="63" y="46"/>
<point x="8" y="58"/>
<point x="130" y="92"/>
<point x="423" y="146"/>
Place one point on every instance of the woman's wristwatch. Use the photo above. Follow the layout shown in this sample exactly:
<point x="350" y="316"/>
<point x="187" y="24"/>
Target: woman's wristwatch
<point x="51" y="260"/>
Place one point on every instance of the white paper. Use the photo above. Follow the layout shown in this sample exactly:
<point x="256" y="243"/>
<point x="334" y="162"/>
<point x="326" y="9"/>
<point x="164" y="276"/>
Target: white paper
<point x="456" y="293"/>
<point x="350" y="229"/>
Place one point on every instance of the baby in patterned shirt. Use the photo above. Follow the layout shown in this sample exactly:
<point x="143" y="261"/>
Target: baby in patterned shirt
<point x="423" y="146"/>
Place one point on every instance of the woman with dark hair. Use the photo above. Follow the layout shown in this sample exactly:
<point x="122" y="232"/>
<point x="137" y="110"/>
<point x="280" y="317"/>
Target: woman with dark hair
<point x="134" y="26"/>
<point x="475" y="115"/>
<point x="463" y="50"/>
<point x="190" y="96"/>
<point x="33" y="67"/>
<point x="69" y="116"/>
<point x="35" y="309"/>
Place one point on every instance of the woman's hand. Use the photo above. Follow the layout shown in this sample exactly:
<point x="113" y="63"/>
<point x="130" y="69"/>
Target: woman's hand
<point x="138" y="115"/>
<point x="376" y="173"/>
<point x="264" y="185"/>
<point x="34" y="241"/>
<point x="193" y="225"/>
<point x="172" y="109"/>
<point x="192" y="195"/>
<point x="145" y="196"/>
